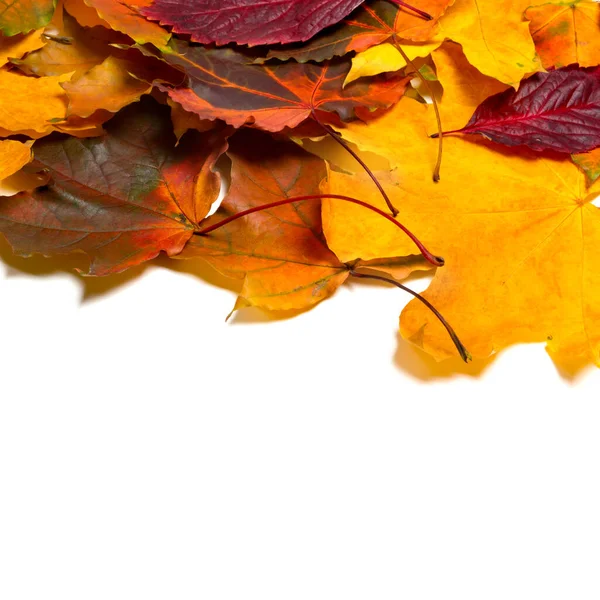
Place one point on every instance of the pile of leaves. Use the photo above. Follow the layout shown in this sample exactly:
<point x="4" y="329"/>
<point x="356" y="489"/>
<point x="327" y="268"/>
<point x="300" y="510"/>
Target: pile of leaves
<point x="362" y="140"/>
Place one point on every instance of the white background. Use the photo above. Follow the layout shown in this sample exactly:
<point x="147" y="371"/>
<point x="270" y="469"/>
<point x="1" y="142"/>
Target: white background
<point x="149" y="450"/>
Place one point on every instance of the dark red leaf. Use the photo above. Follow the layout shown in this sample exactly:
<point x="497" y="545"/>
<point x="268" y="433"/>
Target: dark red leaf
<point x="248" y="21"/>
<point x="558" y="110"/>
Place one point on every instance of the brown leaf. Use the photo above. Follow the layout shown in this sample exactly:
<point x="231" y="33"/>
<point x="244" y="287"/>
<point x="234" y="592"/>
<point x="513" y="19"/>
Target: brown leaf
<point x="280" y="254"/>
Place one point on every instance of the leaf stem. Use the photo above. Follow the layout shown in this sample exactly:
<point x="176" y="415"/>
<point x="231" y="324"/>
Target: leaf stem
<point x="340" y="140"/>
<point x="464" y="353"/>
<point x="436" y="108"/>
<point x="437" y="261"/>
<point x="418" y="11"/>
<point x="437" y="135"/>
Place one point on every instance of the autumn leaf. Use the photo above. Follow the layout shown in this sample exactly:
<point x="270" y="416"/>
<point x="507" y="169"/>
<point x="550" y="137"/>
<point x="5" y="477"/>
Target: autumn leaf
<point x="566" y="33"/>
<point x="23" y="16"/>
<point x="374" y="23"/>
<point x="248" y="21"/>
<point x="40" y="102"/>
<point x="386" y="58"/>
<point x="85" y="15"/>
<point x="17" y="46"/>
<point x="183" y="120"/>
<point x="279" y="254"/>
<point x="558" y="110"/>
<point x="494" y="37"/>
<point x="122" y="198"/>
<point x="85" y="49"/>
<point x="109" y="86"/>
<point x="127" y="18"/>
<point x="13" y="156"/>
<point x="518" y="232"/>
<point x="224" y="84"/>
<point x="464" y="87"/>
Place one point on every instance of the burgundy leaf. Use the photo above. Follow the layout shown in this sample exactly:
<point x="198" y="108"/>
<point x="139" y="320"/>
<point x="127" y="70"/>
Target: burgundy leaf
<point x="248" y="21"/>
<point x="558" y="110"/>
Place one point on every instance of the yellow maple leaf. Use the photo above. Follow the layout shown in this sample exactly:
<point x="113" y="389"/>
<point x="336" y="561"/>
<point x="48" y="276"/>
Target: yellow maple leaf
<point x="518" y="231"/>
<point x="465" y="88"/>
<point x="494" y="37"/>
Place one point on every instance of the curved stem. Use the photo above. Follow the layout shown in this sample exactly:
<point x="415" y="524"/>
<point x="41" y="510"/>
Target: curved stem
<point x="436" y="108"/>
<point x="340" y="140"/>
<point x="437" y="261"/>
<point x="464" y="353"/>
<point x="418" y="11"/>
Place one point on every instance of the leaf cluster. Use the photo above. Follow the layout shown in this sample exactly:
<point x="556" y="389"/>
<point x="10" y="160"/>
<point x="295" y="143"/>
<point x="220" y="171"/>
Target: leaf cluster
<point x="294" y="145"/>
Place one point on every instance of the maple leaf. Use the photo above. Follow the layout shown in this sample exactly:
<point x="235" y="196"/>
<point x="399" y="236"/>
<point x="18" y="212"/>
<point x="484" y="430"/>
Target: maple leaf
<point x="558" y="110"/>
<point x="280" y="254"/>
<point x="248" y="21"/>
<point x="566" y="33"/>
<point x="223" y="84"/>
<point x="465" y="88"/>
<point x="372" y="24"/>
<point x="121" y="198"/>
<point x="521" y="239"/>
<point x="494" y="37"/>
<point x="23" y="16"/>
